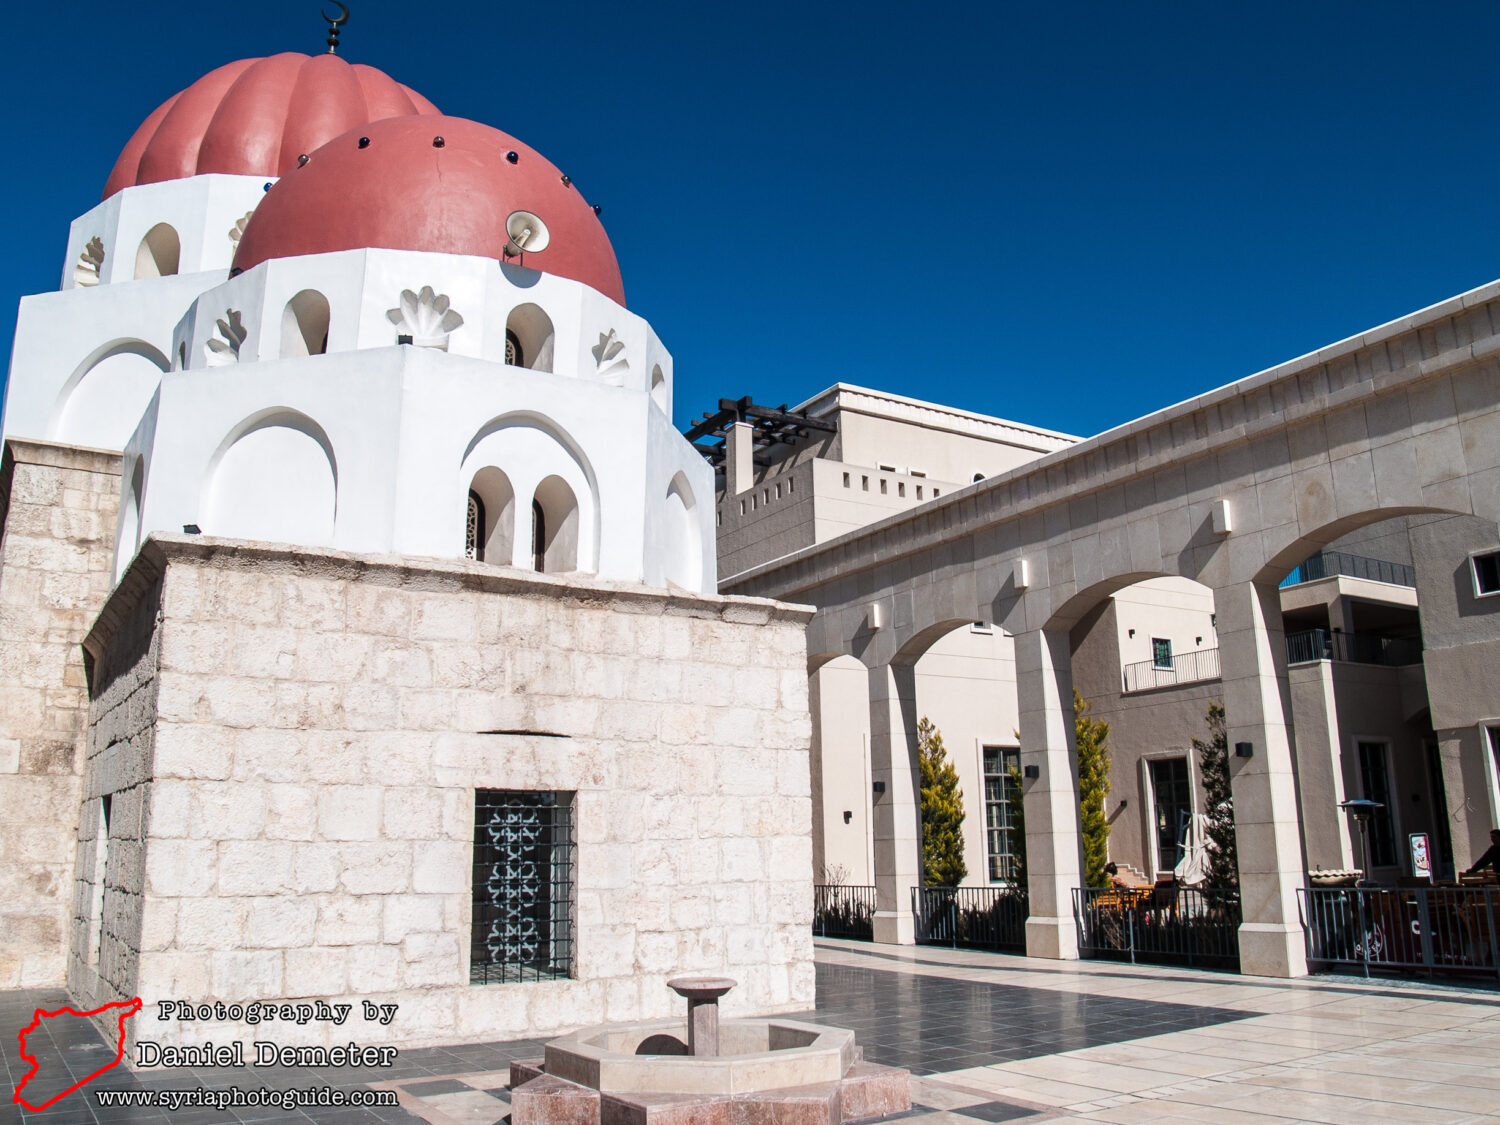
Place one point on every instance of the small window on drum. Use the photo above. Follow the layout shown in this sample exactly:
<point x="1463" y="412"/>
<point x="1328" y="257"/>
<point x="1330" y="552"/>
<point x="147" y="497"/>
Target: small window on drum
<point x="474" y="529"/>
<point x="514" y="357"/>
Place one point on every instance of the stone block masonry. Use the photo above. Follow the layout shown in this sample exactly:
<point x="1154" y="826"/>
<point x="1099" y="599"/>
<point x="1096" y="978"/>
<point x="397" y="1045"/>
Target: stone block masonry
<point x="57" y="507"/>
<point x="307" y="730"/>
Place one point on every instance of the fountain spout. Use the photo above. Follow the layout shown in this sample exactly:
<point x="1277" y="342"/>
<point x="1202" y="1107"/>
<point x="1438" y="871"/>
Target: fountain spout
<point x="702" y="995"/>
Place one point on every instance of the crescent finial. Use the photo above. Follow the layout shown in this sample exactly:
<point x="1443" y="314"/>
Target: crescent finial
<point x="334" y="22"/>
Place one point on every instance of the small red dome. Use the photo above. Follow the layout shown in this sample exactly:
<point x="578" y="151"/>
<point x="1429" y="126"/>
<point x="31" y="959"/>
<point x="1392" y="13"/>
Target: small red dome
<point x="256" y="116"/>
<point x="438" y="184"/>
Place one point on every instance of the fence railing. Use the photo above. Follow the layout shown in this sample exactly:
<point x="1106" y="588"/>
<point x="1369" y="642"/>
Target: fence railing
<point x="1354" y="648"/>
<point x="1159" y="925"/>
<point x="844" y="912"/>
<point x="1436" y="929"/>
<point x="971" y="917"/>
<point x="1185" y="668"/>
<point x="1326" y="564"/>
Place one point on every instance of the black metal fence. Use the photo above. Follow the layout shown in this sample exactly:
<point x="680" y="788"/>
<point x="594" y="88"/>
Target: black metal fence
<point x="844" y="912"/>
<point x="1355" y="648"/>
<point x="1184" y="668"/>
<point x="1325" y="564"/>
<point x="1159" y="925"/>
<point x="1436" y="929"/>
<point x="971" y="917"/>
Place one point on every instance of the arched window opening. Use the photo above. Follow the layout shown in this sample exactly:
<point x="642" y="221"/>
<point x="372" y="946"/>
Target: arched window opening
<point x="304" y="324"/>
<point x="658" y="387"/>
<point x="554" y="527"/>
<point x="489" y="526"/>
<point x="158" y="253"/>
<point x="532" y="331"/>
<point x="474" y="529"/>
<point x="538" y="537"/>
<point x="681" y="539"/>
<point x="182" y="357"/>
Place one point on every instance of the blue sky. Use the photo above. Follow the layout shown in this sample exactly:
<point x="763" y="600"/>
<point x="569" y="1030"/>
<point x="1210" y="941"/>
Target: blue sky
<point x="1069" y="214"/>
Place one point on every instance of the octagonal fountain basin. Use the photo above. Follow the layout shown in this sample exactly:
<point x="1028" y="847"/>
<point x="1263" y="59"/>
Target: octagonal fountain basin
<point x="753" y="1055"/>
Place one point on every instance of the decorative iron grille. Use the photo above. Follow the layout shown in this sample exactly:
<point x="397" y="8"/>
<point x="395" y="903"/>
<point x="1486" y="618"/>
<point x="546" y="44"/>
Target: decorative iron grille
<point x="523" y="886"/>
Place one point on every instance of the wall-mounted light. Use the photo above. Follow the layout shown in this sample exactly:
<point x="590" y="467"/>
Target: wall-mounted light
<point x="1124" y="802"/>
<point x="848" y="816"/>
<point x="403" y="339"/>
<point x="879" y="788"/>
<point x="1032" y="772"/>
<point x="191" y="529"/>
<point x="1199" y="640"/>
<point x="1244" y="750"/>
<point x="1132" y="632"/>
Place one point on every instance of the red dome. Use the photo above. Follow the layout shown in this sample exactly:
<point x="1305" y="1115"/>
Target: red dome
<point x="256" y="116"/>
<point x="404" y="191"/>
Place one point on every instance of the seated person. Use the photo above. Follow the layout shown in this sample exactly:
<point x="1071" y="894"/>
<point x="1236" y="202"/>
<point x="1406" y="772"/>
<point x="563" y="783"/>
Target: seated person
<point x="1115" y="878"/>
<point x="1490" y="859"/>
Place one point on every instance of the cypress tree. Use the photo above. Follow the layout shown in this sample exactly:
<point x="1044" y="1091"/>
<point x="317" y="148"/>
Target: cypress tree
<point x="1091" y="737"/>
<point x="1018" y="823"/>
<point x="1213" y="765"/>
<point x="942" y="812"/>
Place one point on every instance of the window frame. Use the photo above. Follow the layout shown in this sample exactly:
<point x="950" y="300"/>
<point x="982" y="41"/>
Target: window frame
<point x="1489" y="555"/>
<point x="1166" y="646"/>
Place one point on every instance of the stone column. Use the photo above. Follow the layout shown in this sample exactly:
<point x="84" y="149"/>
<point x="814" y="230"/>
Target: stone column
<point x="1257" y="707"/>
<point x="898" y="834"/>
<point x="819" y="818"/>
<point x="1054" y="833"/>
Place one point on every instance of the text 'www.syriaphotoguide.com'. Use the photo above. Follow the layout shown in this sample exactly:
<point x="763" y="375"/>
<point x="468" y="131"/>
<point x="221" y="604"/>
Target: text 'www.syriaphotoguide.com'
<point x="232" y="1097"/>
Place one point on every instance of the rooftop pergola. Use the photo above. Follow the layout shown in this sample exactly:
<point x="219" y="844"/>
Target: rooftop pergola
<point x="770" y="426"/>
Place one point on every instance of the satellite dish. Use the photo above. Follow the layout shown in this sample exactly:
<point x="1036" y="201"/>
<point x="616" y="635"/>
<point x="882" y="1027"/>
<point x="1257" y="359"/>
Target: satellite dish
<point x="527" y="233"/>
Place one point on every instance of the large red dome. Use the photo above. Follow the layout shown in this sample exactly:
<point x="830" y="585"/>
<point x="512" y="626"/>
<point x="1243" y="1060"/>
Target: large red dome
<point x="256" y="116"/>
<point x="438" y="184"/>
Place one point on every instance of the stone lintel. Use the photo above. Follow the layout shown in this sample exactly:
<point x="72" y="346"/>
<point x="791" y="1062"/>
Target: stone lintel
<point x="26" y="452"/>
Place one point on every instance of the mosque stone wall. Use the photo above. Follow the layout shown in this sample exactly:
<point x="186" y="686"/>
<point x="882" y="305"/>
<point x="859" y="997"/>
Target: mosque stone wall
<point x="322" y="721"/>
<point x="58" y="506"/>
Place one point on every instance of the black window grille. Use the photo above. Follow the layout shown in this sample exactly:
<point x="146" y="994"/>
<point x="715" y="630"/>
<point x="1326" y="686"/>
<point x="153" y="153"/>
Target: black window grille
<point x="1161" y="652"/>
<point x="523" y="886"/>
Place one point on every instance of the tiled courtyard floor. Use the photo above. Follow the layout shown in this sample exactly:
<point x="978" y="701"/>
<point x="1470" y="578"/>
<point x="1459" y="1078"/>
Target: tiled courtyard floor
<point x="990" y="1038"/>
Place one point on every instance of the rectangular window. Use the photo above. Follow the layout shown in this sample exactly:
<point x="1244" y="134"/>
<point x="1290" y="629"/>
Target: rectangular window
<point x="95" y="949"/>
<point x="791" y="486"/>
<point x="935" y="494"/>
<point x="886" y="468"/>
<point x="1375" y="780"/>
<point x="1486" y="574"/>
<point x="915" y="473"/>
<point x="1161" y="652"/>
<point x="742" y="507"/>
<point x="778" y="492"/>
<point x="882" y="486"/>
<point x="982" y="627"/>
<point x="846" y="480"/>
<point x="1172" y="800"/>
<point x="900" y="488"/>
<point x="919" y="492"/>
<point x="999" y="818"/>
<point x="864" y="483"/>
<point x="523" y="886"/>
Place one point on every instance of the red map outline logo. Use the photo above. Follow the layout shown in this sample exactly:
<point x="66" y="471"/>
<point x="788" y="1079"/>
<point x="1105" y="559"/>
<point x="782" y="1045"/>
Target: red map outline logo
<point x="131" y="1007"/>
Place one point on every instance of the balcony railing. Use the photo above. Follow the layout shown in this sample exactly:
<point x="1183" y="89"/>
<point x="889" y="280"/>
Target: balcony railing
<point x="971" y="917"/>
<point x="1433" y="929"/>
<point x="1326" y="564"/>
<point x="1352" y="648"/>
<point x="1165" y="925"/>
<point x="844" y="912"/>
<point x="1185" y="668"/>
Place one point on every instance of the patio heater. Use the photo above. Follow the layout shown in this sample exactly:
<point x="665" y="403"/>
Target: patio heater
<point x="1362" y="813"/>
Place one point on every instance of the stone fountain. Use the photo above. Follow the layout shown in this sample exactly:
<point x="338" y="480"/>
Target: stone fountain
<point x="705" y="1072"/>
